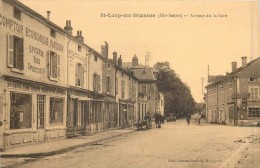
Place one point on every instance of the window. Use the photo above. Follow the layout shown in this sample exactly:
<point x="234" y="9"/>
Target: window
<point x="253" y="79"/>
<point x="254" y="112"/>
<point x="254" y="92"/>
<point x="95" y="58"/>
<point x="123" y="88"/>
<point x="143" y="89"/>
<point x="15" y="52"/>
<point x="116" y="86"/>
<point x="53" y="33"/>
<point x="109" y="84"/>
<point x="79" y="48"/>
<point x="56" y="111"/>
<point x="54" y="66"/>
<point x="20" y="111"/>
<point x="40" y="111"/>
<point x="96" y="82"/>
<point x="79" y="75"/>
<point x="108" y="66"/>
<point x="17" y="14"/>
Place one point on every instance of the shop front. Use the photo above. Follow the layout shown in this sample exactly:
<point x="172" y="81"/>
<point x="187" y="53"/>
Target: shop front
<point x="33" y="111"/>
<point x="78" y="112"/>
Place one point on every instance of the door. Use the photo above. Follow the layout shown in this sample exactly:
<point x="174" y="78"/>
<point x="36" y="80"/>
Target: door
<point x="41" y="117"/>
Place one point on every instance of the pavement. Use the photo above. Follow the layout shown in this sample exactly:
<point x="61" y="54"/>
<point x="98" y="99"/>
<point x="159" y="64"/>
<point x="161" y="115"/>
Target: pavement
<point x="62" y="145"/>
<point x="247" y="156"/>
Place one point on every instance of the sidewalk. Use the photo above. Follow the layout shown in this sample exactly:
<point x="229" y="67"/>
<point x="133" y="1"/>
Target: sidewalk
<point x="63" y="145"/>
<point x="251" y="157"/>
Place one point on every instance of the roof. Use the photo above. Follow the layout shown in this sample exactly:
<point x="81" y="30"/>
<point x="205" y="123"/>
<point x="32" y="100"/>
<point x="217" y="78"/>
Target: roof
<point x="220" y="78"/>
<point x="142" y="72"/>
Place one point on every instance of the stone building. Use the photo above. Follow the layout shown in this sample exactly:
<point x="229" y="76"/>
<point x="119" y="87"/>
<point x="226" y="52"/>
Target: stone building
<point x="33" y="97"/>
<point x="234" y="99"/>
<point x="149" y="98"/>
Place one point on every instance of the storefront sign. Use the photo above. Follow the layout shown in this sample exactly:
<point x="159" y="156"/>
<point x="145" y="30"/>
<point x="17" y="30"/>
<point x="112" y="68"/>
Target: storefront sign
<point x="36" y="88"/>
<point x="11" y="24"/>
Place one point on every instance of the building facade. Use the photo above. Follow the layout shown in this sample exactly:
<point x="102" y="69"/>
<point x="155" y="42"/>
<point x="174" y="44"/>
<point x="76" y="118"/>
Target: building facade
<point x="32" y="78"/>
<point x="53" y="85"/>
<point x="233" y="99"/>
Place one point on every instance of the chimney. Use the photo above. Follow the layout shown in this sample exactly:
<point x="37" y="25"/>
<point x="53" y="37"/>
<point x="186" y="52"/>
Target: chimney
<point x="135" y="61"/>
<point x="79" y="36"/>
<point x="48" y="15"/>
<point x="104" y="50"/>
<point x="120" y="61"/>
<point x="68" y="27"/>
<point x="244" y="61"/>
<point x="234" y="66"/>
<point x="115" y="58"/>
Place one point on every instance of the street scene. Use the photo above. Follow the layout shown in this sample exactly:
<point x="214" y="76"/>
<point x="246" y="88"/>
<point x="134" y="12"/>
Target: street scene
<point x="175" y="144"/>
<point x="124" y="84"/>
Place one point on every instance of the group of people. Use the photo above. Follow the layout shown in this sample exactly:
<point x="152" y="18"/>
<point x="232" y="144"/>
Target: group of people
<point x="158" y="118"/>
<point x="188" y="118"/>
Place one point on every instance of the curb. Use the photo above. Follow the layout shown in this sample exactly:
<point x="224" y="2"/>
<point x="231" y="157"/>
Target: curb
<point x="234" y="159"/>
<point x="64" y="150"/>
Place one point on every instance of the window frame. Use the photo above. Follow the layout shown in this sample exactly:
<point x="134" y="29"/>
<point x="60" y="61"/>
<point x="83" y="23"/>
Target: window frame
<point x="253" y="114"/>
<point x="253" y="96"/>
<point x="11" y="53"/>
<point x="17" y="13"/>
<point x="51" y="66"/>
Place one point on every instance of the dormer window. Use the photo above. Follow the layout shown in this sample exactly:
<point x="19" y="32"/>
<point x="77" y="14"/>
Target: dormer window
<point x="17" y="14"/>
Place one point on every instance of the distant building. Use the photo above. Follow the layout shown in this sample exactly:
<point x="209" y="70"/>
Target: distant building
<point x="150" y="99"/>
<point x="234" y="99"/>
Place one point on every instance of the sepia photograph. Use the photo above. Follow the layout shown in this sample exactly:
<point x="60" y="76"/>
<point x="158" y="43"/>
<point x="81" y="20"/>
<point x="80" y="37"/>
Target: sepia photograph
<point x="130" y="83"/>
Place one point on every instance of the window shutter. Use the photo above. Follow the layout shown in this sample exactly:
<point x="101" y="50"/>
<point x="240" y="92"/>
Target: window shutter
<point x="82" y="77"/>
<point x="58" y="66"/>
<point x="94" y="82"/>
<point x="49" y="63"/>
<point x="98" y="82"/>
<point x="10" y="54"/>
<point x="76" y="75"/>
<point x="21" y="56"/>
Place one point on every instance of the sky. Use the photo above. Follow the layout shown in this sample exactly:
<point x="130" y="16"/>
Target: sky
<point x="198" y="35"/>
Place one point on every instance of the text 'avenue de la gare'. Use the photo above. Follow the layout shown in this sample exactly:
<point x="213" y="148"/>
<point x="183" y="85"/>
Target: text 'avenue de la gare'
<point x="161" y="15"/>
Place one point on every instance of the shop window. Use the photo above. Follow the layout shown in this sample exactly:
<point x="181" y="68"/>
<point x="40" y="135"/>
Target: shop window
<point x="15" y="52"/>
<point x="17" y="14"/>
<point x="20" y="111"/>
<point x="254" y="92"/>
<point x="79" y="75"/>
<point x="254" y="112"/>
<point x="56" y="111"/>
<point x="54" y="66"/>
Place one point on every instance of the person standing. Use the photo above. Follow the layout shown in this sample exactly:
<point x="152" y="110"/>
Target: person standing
<point x="188" y="118"/>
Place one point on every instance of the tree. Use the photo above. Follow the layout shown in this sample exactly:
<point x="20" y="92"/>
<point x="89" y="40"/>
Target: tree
<point x="178" y="98"/>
